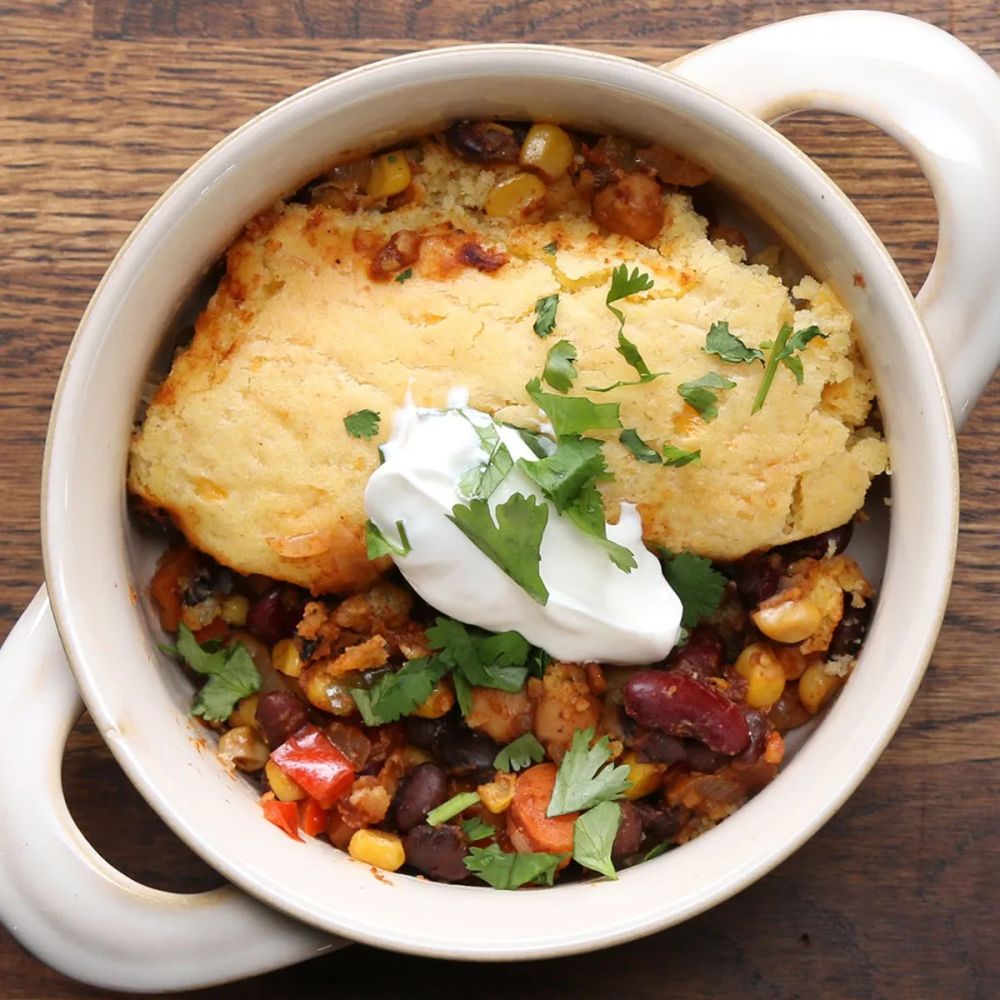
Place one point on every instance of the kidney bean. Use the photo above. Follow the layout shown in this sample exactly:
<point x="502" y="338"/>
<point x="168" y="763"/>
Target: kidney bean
<point x="424" y="733"/>
<point x="423" y="790"/>
<point x="656" y="747"/>
<point x="438" y="852"/>
<point x="757" y="578"/>
<point x="684" y="706"/>
<point x="279" y="715"/>
<point x="274" y="615"/>
<point x="700" y="758"/>
<point x="851" y="630"/>
<point x="629" y="835"/>
<point x="759" y="728"/>
<point x="702" y="654"/>
<point x="821" y="546"/>
<point x="659" y="822"/>
<point x="466" y="753"/>
<point x="483" y="142"/>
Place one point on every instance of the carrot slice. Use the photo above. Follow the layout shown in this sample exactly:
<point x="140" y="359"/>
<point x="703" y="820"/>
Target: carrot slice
<point x="528" y="827"/>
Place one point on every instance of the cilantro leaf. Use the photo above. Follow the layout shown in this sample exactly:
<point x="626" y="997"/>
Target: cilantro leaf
<point x="587" y="513"/>
<point x="545" y="314"/>
<point x="551" y="248"/>
<point x="362" y="423"/>
<point x="635" y="444"/>
<point x="672" y="455"/>
<point x="585" y="777"/>
<point x="231" y="674"/>
<point x="497" y="660"/>
<point x="476" y="829"/>
<point x="559" y="368"/>
<point x="593" y="836"/>
<point x="563" y="474"/>
<point x="463" y="694"/>
<point x="513" y="542"/>
<point x="481" y="482"/>
<point x="697" y="584"/>
<point x="573" y="414"/>
<point x="450" y="809"/>
<point x="623" y="285"/>
<point x="404" y="275"/>
<point x="783" y="352"/>
<point x="728" y="346"/>
<point x="656" y="851"/>
<point x="699" y="393"/>
<point x="631" y="354"/>
<point x="378" y="545"/>
<point x="510" y="871"/>
<point x="399" y="693"/>
<point x="625" y="382"/>
<point x="523" y="751"/>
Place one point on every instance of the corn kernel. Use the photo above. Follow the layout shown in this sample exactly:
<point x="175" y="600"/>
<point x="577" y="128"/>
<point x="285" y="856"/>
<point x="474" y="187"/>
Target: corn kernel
<point x="645" y="778"/>
<point x="245" y="713"/>
<point x="378" y="848"/>
<point x="498" y="794"/>
<point x="439" y="702"/>
<point x="243" y="748"/>
<point x="516" y="197"/>
<point x="234" y="610"/>
<point x="789" y="621"/>
<point x="285" y="790"/>
<point x="390" y="175"/>
<point x="547" y="148"/>
<point x="764" y="674"/>
<point x="286" y="659"/>
<point x="816" y="687"/>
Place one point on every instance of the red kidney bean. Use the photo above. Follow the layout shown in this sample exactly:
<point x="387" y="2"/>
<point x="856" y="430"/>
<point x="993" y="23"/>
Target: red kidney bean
<point x="274" y="615"/>
<point x="821" y="546"/>
<point x="757" y="578"/>
<point x="758" y="726"/>
<point x="423" y="790"/>
<point x="700" y="758"/>
<point x="279" y="715"/>
<point x="660" y="823"/>
<point x="684" y="706"/>
<point x="656" y="747"/>
<point x="438" y="852"/>
<point x="702" y="654"/>
<point x="629" y="835"/>
<point x="851" y="630"/>
<point x="483" y="142"/>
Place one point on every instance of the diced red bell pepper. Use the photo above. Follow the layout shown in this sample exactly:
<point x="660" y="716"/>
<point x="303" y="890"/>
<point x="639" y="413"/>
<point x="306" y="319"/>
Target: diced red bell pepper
<point x="284" y="815"/>
<point x="311" y="760"/>
<point x="313" y="817"/>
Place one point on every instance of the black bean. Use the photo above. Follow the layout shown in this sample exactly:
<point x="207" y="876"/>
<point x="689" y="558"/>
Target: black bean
<point x="821" y="546"/>
<point x="701" y="656"/>
<point x="660" y="823"/>
<point x="851" y="631"/>
<point x="629" y="835"/>
<point x="759" y="728"/>
<point x="653" y="746"/>
<point x="438" y="852"/>
<point x="757" y="578"/>
<point x="279" y="715"/>
<point x="466" y="753"/>
<point x="424" y="732"/>
<point x="700" y="758"/>
<point x="425" y="788"/>
<point x="483" y="142"/>
<point x="199" y="588"/>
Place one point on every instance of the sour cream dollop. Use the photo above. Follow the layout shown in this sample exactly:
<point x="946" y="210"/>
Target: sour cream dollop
<point x="595" y="611"/>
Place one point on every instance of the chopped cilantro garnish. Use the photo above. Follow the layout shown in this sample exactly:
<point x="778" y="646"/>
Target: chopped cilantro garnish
<point x="783" y="352"/>
<point x="484" y="659"/>
<point x="378" y="545"/>
<point x="697" y="584"/>
<point x="594" y="835"/>
<point x="476" y="829"/>
<point x="573" y="414"/>
<point x="551" y="248"/>
<point x="559" y="368"/>
<point x="587" y="513"/>
<point x="513" y="541"/>
<point x="728" y="346"/>
<point x="656" y="851"/>
<point x="672" y="455"/>
<point x="585" y="776"/>
<point x="404" y="275"/>
<point x="480" y="483"/>
<point x="450" y="809"/>
<point x="623" y="285"/>
<point x="518" y="755"/>
<point x="699" y="393"/>
<point x="561" y="476"/>
<point x="545" y="314"/>
<point x="362" y="424"/>
<point x="635" y="444"/>
<point x="231" y="674"/>
<point x="504" y="870"/>
<point x="397" y="694"/>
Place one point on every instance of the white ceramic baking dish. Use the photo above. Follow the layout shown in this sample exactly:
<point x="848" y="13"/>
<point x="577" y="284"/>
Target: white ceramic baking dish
<point x="288" y="900"/>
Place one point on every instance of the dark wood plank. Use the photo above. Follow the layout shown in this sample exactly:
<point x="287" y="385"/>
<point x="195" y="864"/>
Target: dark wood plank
<point x="102" y="104"/>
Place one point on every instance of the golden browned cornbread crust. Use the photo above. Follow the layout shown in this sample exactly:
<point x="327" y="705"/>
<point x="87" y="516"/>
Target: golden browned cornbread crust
<point x="244" y="445"/>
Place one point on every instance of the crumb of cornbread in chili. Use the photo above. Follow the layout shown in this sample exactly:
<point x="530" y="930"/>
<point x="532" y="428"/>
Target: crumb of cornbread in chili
<point x="326" y="309"/>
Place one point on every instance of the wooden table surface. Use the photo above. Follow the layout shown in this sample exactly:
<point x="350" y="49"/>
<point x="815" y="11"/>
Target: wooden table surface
<point x="103" y="103"/>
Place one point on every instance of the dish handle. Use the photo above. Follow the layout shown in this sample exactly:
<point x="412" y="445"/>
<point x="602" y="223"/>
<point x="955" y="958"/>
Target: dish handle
<point x="941" y="101"/>
<point x="63" y="901"/>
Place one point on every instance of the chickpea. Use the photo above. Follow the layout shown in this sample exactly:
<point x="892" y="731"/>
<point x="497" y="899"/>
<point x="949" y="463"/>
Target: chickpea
<point x="632" y="207"/>
<point x="243" y="748"/>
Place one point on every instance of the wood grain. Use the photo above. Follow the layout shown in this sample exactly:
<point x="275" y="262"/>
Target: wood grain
<point x="102" y="104"/>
